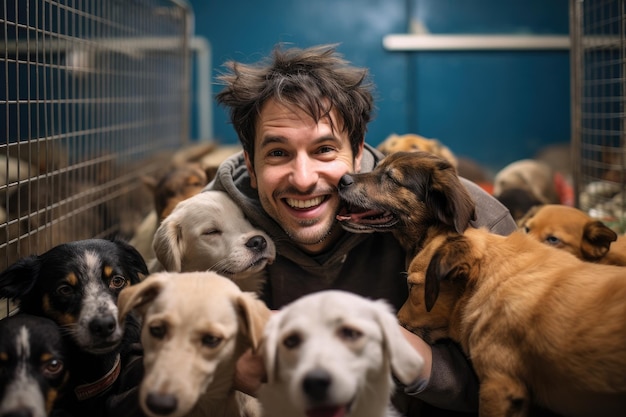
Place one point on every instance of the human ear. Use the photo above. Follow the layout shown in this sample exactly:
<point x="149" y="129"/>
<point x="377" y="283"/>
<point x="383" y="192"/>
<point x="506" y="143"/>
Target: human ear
<point x="358" y="157"/>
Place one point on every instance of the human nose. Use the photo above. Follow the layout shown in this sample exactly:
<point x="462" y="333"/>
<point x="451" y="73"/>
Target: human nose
<point x="303" y="174"/>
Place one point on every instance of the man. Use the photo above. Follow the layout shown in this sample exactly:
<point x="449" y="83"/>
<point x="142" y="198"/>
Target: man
<point x="301" y="117"/>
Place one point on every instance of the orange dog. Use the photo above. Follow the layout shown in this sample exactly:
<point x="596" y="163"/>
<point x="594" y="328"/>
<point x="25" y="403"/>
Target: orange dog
<point x="411" y="143"/>
<point x="573" y="230"/>
<point x="540" y="326"/>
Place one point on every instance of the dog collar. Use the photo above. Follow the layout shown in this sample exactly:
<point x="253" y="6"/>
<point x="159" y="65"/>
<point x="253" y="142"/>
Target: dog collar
<point x="91" y="389"/>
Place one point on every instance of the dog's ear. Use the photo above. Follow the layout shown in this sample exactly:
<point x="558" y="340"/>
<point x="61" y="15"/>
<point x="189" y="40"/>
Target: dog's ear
<point x="597" y="238"/>
<point x="132" y="260"/>
<point x="406" y="363"/>
<point x="450" y="262"/>
<point x="168" y="244"/>
<point x="529" y="215"/>
<point x="449" y="200"/>
<point x="139" y="296"/>
<point x="254" y="314"/>
<point x="19" y="279"/>
<point x="269" y="345"/>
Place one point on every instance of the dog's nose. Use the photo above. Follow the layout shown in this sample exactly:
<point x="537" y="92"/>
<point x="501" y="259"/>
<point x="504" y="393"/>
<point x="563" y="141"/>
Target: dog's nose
<point x="257" y="243"/>
<point x="103" y="326"/>
<point x="345" y="181"/>
<point x="162" y="404"/>
<point x="316" y="384"/>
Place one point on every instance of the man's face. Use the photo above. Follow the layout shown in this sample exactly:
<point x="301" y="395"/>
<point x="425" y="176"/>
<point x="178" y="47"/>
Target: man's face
<point x="297" y="166"/>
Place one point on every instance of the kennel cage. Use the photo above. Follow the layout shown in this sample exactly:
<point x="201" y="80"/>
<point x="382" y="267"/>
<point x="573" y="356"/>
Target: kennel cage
<point x="95" y="94"/>
<point x="598" y="57"/>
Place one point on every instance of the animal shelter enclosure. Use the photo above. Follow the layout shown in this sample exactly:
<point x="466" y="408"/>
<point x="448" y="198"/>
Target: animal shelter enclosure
<point x="598" y="57"/>
<point x="95" y="94"/>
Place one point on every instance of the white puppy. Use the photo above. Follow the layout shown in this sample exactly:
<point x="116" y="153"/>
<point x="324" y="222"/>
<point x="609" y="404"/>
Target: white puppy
<point x="209" y="232"/>
<point x="332" y="353"/>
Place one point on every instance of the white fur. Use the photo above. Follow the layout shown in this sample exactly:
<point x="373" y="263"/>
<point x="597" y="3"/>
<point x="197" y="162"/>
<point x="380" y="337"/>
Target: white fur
<point x="355" y="342"/>
<point x="209" y="232"/>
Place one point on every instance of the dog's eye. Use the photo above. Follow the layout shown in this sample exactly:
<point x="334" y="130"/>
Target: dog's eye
<point x="212" y="232"/>
<point x="349" y="333"/>
<point x="553" y="240"/>
<point x="65" y="290"/>
<point x="292" y="341"/>
<point x="117" y="282"/>
<point x="52" y="368"/>
<point x="158" y="331"/>
<point x="210" y="340"/>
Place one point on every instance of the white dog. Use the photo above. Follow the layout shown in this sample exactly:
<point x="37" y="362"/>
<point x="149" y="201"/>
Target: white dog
<point x="195" y="327"/>
<point x="333" y="353"/>
<point x="209" y="232"/>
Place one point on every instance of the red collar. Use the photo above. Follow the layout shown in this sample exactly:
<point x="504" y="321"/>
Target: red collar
<point x="92" y="389"/>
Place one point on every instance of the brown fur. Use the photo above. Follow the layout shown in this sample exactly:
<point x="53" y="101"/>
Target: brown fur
<point x="405" y="194"/>
<point x="539" y="325"/>
<point x="576" y="232"/>
<point x="411" y="142"/>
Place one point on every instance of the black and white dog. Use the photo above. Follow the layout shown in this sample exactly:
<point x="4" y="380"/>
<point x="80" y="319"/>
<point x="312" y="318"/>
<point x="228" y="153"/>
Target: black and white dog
<point x="76" y="284"/>
<point x="33" y="365"/>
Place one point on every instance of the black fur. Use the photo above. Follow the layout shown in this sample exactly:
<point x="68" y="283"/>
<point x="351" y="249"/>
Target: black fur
<point x="77" y="284"/>
<point x="33" y="365"/>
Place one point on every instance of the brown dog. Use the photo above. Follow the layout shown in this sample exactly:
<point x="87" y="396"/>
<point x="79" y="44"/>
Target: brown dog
<point x="540" y="326"/>
<point x="573" y="230"/>
<point x="411" y="143"/>
<point x="405" y="194"/>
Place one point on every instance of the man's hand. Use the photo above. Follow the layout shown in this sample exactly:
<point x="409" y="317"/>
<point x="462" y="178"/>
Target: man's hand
<point x="250" y="373"/>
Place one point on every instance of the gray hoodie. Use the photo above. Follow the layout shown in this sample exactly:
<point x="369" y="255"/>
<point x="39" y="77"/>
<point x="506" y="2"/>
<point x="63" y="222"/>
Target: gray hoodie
<point x="369" y="264"/>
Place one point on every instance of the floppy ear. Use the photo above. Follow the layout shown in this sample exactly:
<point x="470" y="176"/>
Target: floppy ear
<point x="450" y="262"/>
<point x="254" y="314"/>
<point x="139" y="296"/>
<point x="133" y="261"/>
<point x="448" y="198"/>
<point x="406" y="362"/>
<point x="269" y="345"/>
<point x="19" y="279"/>
<point x="168" y="244"/>
<point x="529" y="215"/>
<point x="597" y="238"/>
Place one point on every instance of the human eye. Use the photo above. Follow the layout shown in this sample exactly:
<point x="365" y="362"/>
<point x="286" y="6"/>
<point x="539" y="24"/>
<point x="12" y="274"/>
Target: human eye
<point x="276" y="153"/>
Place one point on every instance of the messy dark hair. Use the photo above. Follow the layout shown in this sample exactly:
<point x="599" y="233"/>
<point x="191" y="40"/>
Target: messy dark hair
<point x="316" y="79"/>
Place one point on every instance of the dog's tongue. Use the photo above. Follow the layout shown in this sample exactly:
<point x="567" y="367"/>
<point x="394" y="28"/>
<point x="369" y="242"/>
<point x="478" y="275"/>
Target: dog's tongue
<point x="327" y="412"/>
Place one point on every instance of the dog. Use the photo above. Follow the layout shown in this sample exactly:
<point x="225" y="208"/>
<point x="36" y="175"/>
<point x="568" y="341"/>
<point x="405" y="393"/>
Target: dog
<point x="404" y="194"/>
<point x="536" y="177"/>
<point x="210" y="232"/>
<point x="519" y="201"/>
<point x="411" y="142"/>
<point x="76" y="284"/>
<point x="195" y="326"/>
<point x="33" y="366"/>
<point x="542" y="327"/>
<point x="573" y="230"/>
<point x="332" y="353"/>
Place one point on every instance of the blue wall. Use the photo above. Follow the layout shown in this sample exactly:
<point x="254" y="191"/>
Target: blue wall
<point x="492" y="106"/>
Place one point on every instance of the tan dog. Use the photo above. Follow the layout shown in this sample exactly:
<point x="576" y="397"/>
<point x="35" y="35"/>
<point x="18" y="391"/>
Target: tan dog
<point x="411" y="143"/>
<point x="540" y="326"/>
<point x="573" y="230"/>
<point x="195" y="327"/>
<point x="535" y="177"/>
<point x="332" y="353"/>
<point x="405" y="194"/>
<point x="210" y="232"/>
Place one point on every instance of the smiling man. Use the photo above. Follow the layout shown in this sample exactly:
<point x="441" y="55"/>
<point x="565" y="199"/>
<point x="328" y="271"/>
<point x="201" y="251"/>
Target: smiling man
<point x="301" y="116"/>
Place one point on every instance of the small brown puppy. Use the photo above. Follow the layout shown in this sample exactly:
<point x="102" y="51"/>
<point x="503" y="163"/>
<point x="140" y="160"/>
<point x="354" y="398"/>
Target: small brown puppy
<point x="573" y="230"/>
<point x="195" y="327"/>
<point x="541" y="326"/>
<point x="405" y="194"/>
<point x="412" y="142"/>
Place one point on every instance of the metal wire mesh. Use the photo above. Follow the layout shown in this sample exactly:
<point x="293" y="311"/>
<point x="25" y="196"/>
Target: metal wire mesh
<point x="94" y="94"/>
<point x="598" y="108"/>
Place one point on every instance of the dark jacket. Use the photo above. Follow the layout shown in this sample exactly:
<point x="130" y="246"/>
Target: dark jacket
<point x="372" y="265"/>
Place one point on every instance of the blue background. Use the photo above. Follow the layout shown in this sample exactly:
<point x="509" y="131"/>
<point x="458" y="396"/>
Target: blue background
<point x="492" y="106"/>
